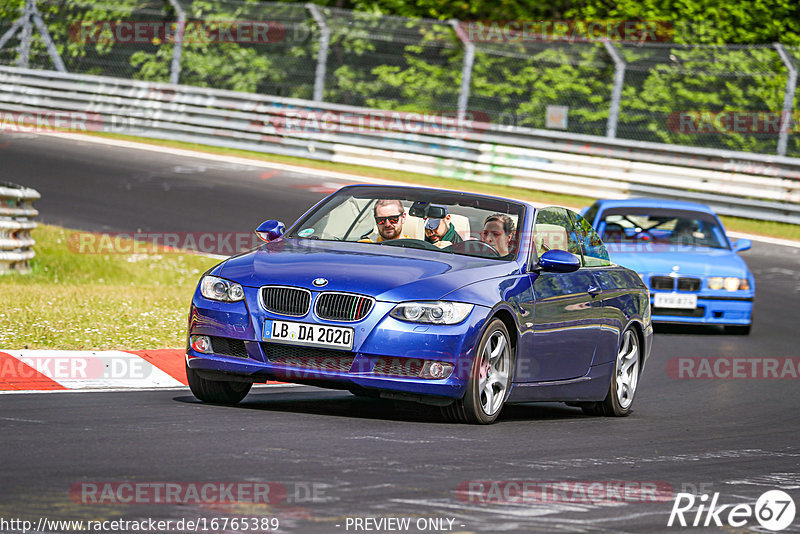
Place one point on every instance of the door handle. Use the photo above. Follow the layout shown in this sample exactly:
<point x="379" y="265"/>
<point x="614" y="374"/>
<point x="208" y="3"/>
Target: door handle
<point x="594" y="291"/>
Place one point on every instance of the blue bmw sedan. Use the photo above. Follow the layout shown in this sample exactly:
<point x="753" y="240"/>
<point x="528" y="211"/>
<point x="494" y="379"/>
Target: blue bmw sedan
<point x="457" y="300"/>
<point x="681" y="250"/>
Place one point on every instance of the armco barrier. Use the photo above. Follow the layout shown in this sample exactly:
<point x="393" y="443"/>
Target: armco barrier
<point x="16" y="212"/>
<point x="734" y="183"/>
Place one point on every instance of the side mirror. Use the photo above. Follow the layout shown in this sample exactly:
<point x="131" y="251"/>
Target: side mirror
<point x="270" y="230"/>
<point x="559" y="261"/>
<point x="742" y="245"/>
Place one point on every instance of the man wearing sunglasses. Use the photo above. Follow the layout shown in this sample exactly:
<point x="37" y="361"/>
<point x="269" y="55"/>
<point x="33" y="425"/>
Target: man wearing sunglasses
<point x="389" y="218"/>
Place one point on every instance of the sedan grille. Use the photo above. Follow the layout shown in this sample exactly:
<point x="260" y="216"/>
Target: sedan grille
<point x="343" y="306"/>
<point x="688" y="284"/>
<point x="308" y="358"/>
<point x="663" y="283"/>
<point x="292" y="301"/>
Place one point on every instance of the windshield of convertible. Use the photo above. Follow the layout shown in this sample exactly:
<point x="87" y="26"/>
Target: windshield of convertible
<point x="449" y="222"/>
<point x="661" y="226"/>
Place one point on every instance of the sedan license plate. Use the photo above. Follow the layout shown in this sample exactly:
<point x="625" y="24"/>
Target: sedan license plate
<point x="675" y="300"/>
<point x="309" y="335"/>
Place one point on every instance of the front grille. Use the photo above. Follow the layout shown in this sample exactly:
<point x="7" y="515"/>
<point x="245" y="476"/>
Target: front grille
<point x="398" y="366"/>
<point x="343" y="306"/>
<point x="688" y="284"/>
<point x="292" y="301"/>
<point x="228" y="347"/>
<point x="308" y="357"/>
<point x="662" y="283"/>
<point x="678" y="312"/>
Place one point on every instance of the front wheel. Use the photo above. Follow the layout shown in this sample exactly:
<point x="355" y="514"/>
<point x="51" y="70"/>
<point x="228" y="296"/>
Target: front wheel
<point x="490" y="379"/>
<point x="216" y="391"/>
<point x="619" y="400"/>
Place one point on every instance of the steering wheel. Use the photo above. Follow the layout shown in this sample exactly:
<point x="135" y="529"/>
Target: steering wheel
<point x="473" y="247"/>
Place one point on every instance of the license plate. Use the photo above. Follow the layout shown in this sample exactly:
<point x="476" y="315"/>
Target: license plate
<point x="675" y="300"/>
<point x="309" y="335"/>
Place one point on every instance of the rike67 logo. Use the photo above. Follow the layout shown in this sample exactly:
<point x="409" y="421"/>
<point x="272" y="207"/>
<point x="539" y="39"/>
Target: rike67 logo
<point x="774" y="511"/>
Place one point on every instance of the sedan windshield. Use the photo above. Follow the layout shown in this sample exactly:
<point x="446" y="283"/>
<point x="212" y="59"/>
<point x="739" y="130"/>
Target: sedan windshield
<point x="449" y="222"/>
<point x="661" y="226"/>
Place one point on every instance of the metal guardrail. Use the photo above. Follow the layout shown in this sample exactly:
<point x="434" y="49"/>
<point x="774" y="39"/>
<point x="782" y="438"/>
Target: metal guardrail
<point x="734" y="183"/>
<point x="16" y="212"/>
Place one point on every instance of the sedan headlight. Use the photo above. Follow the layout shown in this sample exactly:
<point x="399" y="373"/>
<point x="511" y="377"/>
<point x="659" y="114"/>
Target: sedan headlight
<point x="438" y="312"/>
<point x="730" y="283"/>
<point x="214" y="288"/>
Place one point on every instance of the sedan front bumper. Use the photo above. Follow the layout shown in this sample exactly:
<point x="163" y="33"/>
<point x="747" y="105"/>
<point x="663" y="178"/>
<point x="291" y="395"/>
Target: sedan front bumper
<point x="387" y="355"/>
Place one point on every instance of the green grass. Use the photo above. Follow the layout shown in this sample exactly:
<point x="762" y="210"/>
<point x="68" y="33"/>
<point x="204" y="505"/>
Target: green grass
<point x="751" y="226"/>
<point x="97" y="301"/>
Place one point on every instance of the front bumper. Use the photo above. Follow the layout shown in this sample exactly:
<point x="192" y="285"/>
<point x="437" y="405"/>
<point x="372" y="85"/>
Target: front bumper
<point x="710" y="310"/>
<point x="386" y="356"/>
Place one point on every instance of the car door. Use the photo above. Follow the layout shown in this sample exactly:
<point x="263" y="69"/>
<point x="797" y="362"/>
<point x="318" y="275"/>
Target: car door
<point x="567" y="307"/>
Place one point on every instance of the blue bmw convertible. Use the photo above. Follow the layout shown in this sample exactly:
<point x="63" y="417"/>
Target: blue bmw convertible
<point x="681" y="250"/>
<point x="456" y="300"/>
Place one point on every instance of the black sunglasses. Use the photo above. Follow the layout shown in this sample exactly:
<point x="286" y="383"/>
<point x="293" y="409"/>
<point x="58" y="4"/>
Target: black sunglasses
<point x="392" y="219"/>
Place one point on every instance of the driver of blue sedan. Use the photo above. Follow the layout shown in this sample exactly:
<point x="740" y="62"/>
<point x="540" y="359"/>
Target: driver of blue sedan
<point x="389" y="218"/>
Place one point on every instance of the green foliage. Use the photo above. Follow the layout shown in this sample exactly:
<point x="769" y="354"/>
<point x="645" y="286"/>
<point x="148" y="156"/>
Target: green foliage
<point x="378" y="59"/>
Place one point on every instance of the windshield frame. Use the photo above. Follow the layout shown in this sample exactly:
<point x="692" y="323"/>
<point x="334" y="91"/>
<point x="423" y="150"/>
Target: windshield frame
<point x="432" y="196"/>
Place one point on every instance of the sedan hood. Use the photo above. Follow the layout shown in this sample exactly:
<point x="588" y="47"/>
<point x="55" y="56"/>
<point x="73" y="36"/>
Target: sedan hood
<point x="690" y="261"/>
<point x="386" y="273"/>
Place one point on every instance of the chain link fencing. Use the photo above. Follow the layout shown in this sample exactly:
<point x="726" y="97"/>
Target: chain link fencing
<point x="719" y="97"/>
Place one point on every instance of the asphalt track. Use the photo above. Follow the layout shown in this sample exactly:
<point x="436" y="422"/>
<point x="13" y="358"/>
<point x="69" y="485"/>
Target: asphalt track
<point x="339" y="457"/>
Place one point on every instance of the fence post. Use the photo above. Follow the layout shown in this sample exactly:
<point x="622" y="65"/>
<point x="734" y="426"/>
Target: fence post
<point x="616" y="91"/>
<point x="788" y="99"/>
<point x="25" y="38"/>
<point x="55" y="57"/>
<point x="322" y="54"/>
<point x="16" y="212"/>
<point x="177" y="47"/>
<point x="466" y="68"/>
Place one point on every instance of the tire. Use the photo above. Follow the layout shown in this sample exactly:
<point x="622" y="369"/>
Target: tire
<point x="216" y="391"/>
<point x="624" y="379"/>
<point x="738" y="330"/>
<point x="490" y="379"/>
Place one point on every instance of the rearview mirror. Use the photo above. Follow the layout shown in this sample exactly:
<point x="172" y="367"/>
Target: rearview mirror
<point x="559" y="261"/>
<point x="270" y="230"/>
<point x="742" y="244"/>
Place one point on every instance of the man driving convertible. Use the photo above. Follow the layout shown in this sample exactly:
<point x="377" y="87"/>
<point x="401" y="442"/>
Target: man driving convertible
<point x="389" y="218"/>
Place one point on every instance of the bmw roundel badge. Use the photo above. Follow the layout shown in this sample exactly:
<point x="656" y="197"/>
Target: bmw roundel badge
<point x="319" y="282"/>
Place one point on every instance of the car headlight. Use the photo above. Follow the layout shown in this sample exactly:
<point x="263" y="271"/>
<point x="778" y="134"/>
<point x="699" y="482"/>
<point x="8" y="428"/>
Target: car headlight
<point x="729" y="283"/>
<point x="214" y="288"/>
<point x="437" y="312"/>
